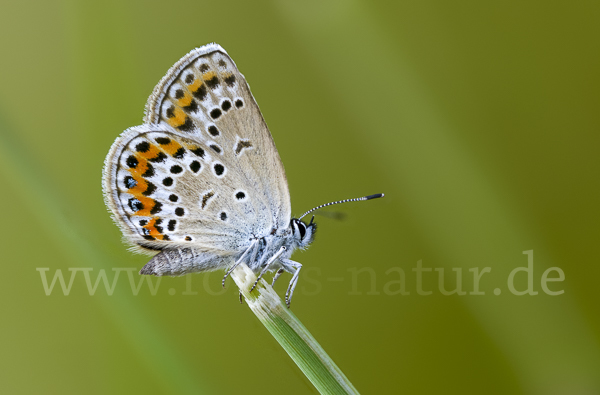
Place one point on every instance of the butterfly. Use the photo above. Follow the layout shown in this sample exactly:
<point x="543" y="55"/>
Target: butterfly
<point x="200" y="183"/>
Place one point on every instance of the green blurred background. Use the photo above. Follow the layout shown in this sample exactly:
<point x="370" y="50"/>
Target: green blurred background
<point x="479" y="120"/>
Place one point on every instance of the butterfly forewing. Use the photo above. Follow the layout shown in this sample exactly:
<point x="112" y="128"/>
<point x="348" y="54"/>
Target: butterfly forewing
<point x="203" y="171"/>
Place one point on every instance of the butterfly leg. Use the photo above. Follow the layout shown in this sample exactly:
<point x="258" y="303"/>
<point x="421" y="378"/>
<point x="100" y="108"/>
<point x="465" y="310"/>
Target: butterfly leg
<point x="292" y="267"/>
<point x="276" y="276"/>
<point x="273" y="259"/>
<point x="238" y="261"/>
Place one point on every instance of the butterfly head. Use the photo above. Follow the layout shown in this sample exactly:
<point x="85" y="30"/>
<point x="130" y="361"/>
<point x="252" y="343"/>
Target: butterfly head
<point x="302" y="233"/>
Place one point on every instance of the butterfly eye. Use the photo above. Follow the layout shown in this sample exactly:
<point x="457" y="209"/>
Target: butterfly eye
<point x="302" y="229"/>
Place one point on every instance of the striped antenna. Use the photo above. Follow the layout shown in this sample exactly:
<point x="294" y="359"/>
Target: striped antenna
<point x="377" y="195"/>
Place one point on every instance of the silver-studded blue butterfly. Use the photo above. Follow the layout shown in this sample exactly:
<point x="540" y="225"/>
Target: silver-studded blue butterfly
<point x="200" y="183"/>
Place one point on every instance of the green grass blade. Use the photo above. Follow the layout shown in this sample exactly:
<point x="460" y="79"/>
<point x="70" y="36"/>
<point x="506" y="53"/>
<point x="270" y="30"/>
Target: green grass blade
<point x="295" y="339"/>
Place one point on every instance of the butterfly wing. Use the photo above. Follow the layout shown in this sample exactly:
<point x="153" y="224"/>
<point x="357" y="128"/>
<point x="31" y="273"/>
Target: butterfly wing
<point x="203" y="171"/>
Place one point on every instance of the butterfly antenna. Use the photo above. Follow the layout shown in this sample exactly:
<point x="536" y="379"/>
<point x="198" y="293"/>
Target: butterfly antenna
<point x="376" y="196"/>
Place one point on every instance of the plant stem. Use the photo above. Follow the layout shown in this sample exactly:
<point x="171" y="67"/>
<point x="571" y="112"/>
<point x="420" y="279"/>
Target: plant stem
<point x="291" y="334"/>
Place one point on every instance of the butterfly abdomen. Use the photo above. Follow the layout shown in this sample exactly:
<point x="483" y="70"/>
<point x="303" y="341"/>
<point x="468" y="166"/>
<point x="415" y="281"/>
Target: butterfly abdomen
<point x="177" y="262"/>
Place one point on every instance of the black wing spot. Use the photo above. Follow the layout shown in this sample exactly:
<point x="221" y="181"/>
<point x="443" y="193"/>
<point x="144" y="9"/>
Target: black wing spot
<point x="188" y="238"/>
<point x="156" y="225"/>
<point x="157" y="208"/>
<point x="216" y="148"/>
<point x="179" y="94"/>
<point x="187" y="125"/>
<point x="167" y="181"/>
<point x="241" y="145"/>
<point x="223" y="216"/>
<point x="151" y="188"/>
<point x="179" y="153"/>
<point x="173" y="198"/>
<point x="212" y="129"/>
<point x="130" y="182"/>
<point x="170" y="112"/>
<point x="189" y="79"/>
<point x="198" y="152"/>
<point x="216" y="113"/>
<point x="239" y="103"/>
<point x="176" y="169"/>
<point x="226" y="105"/>
<point x="143" y="222"/>
<point x="219" y="169"/>
<point x="135" y="205"/>
<point x="192" y="107"/>
<point x="171" y="225"/>
<point x="240" y="195"/>
<point x="149" y="171"/>
<point x="158" y="158"/>
<point x="195" y="166"/>
<point x="179" y="211"/>
<point x="201" y="92"/>
<point x="230" y="80"/>
<point x="213" y="82"/>
<point x="206" y="198"/>
<point x="203" y="68"/>
<point x="142" y="147"/>
<point x="163" y="140"/>
<point x="132" y="162"/>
